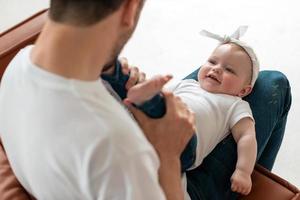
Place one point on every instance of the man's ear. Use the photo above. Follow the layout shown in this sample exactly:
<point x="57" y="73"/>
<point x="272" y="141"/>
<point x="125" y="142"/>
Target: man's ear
<point x="245" y="91"/>
<point x="131" y="10"/>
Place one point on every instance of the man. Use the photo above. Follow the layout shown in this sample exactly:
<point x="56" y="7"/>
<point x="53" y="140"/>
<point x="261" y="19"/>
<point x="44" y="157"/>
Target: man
<point x="69" y="138"/>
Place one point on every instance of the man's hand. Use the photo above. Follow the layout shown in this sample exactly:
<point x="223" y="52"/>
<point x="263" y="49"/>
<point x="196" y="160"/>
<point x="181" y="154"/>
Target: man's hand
<point x="135" y="76"/>
<point x="169" y="134"/>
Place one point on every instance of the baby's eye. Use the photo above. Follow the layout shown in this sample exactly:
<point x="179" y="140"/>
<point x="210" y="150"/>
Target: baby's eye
<point x="211" y="61"/>
<point x="229" y="70"/>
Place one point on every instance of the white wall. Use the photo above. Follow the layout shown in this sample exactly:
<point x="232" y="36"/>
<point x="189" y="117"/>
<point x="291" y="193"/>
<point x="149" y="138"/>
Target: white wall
<point x="167" y="40"/>
<point x="14" y="11"/>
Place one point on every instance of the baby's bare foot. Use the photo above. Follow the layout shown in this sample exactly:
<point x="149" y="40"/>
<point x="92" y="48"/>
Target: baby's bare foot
<point x="146" y="90"/>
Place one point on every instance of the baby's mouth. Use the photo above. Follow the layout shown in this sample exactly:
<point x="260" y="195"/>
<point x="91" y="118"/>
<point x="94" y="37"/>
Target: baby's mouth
<point x="213" y="78"/>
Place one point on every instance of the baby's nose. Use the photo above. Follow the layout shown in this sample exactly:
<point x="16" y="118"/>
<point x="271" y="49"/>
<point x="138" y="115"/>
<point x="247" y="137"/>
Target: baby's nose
<point x="217" y="69"/>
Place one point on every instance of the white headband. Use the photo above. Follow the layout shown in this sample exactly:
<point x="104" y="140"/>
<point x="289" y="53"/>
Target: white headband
<point x="234" y="38"/>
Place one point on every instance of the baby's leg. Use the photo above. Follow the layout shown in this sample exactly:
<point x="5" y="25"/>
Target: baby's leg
<point x="151" y="102"/>
<point x="138" y="93"/>
<point x="154" y="106"/>
<point x="117" y="80"/>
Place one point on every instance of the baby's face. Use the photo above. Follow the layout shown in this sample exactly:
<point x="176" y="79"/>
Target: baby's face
<point x="228" y="70"/>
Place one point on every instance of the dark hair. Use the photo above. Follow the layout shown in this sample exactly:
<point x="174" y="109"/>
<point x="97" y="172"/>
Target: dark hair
<point x="82" y="12"/>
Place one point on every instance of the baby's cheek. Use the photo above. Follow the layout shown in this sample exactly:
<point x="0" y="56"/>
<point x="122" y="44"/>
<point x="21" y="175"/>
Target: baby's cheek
<point x="229" y="87"/>
<point x="202" y="72"/>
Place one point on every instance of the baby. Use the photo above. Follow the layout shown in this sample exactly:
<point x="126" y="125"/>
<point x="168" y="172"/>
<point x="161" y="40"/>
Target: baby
<point x="216" y="99"/>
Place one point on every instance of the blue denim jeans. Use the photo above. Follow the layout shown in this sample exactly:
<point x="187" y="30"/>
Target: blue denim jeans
<point x="154" y="108"/>
<point x="270" y="102"/>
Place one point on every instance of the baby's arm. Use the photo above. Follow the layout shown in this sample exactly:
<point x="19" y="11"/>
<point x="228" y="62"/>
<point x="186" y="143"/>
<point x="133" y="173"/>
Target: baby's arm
<point x="244" y="135"/>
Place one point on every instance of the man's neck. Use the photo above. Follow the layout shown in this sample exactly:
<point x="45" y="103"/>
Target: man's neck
<point x="72" y="52"/>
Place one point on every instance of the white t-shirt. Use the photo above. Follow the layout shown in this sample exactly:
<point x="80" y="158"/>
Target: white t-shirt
<point x="70" y="139"/>
<point x="215" y="114"/>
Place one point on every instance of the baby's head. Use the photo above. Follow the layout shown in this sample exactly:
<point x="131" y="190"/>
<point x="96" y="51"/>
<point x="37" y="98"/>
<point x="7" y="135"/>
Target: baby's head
<point x="231" y="69"/>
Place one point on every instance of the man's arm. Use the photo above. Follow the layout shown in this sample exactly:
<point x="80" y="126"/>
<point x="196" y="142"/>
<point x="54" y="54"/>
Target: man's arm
<point x="169" y="136"/>
<point x="244" y="135"/>
<point x="170" y="177"/>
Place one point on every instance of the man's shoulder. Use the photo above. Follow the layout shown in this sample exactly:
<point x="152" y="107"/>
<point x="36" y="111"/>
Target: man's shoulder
<point x="16" y="64"/>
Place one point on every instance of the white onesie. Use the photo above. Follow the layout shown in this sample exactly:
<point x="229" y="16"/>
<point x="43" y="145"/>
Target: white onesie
<point x="215" y="114"/>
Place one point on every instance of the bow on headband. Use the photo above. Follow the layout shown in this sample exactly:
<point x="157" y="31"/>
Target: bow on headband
<point x="236" y="35"/>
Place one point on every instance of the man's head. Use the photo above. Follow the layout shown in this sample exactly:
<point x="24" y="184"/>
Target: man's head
<point x="228" y="70"/>
<point x="82" y="12"/>
<point x="88" y="13"/>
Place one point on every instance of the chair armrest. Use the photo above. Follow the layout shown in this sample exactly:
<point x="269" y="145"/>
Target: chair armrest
<point x="266" y="185"/>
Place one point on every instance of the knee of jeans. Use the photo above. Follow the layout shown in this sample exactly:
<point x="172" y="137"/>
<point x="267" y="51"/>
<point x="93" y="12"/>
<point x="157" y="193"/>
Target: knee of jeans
<point x="280" y="85"/>
<point x="279" y="78"/>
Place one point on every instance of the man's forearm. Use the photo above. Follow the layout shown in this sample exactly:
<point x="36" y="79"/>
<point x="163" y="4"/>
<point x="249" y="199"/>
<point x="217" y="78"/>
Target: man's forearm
<point x="170" y="178"/>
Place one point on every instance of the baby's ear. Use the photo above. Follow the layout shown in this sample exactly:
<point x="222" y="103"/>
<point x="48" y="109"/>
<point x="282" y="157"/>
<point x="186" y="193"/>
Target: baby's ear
<point x="245" y="91"/>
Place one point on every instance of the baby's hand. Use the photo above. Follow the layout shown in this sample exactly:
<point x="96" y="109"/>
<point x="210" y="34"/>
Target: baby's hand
<point x="241" y="182"/>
